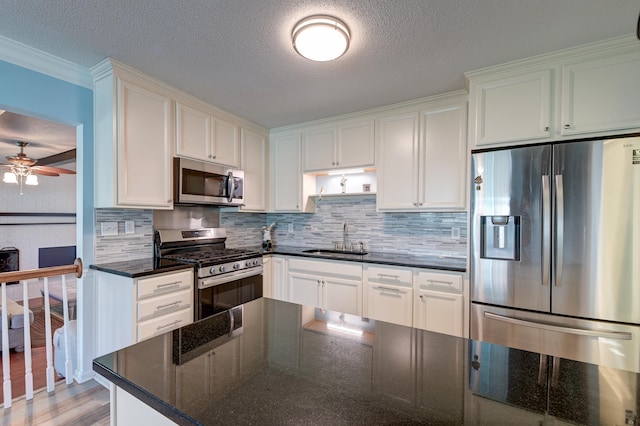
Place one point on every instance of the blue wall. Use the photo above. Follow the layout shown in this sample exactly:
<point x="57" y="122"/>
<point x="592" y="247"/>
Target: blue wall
<point x="31" y="93"/>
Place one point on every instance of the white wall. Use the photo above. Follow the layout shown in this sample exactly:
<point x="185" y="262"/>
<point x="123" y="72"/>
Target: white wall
<point x="52" y="195"/>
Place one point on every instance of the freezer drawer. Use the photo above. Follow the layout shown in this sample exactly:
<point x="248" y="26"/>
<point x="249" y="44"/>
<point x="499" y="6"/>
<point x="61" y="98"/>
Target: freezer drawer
<point x="596" y="342"/>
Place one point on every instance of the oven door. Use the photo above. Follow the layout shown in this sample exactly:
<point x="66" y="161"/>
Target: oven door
<point x="221" y="297"/>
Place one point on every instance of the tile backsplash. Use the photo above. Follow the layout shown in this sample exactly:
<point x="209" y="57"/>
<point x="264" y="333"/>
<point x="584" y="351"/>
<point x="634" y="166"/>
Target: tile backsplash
<point x="115" y="248"/>
<point x="415" y="233"/>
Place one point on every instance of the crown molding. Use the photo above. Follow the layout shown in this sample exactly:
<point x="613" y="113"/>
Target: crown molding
<point x="36" y="60"/>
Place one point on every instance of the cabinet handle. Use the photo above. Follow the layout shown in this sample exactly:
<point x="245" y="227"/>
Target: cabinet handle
<point x="333" y="163"/>
<point x="420" y="204"/>
<point x="395" y="277"/>
<point x="567" y="126"/>
<point x="173" y="284"/>
<point x="160" y="327"/>
<point x="447" y="283"/>
<point x="546" y="129"/>
<point x="397" y="290"/>
<point x="168" y="305"/>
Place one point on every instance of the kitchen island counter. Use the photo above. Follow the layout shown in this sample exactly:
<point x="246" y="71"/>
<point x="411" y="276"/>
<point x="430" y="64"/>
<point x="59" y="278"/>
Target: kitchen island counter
<point x="445" y="263"/>
<point x="291" y="364"/>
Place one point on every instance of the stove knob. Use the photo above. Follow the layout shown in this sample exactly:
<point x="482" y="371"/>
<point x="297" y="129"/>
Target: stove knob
<point x="236" y="266"/>
<point x="212" y="270"/>
<point x="223" y="268"/>
<point x="250" y="263"/>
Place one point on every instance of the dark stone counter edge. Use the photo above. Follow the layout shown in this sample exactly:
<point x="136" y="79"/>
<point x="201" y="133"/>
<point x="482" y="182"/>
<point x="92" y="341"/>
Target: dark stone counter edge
<point x="128" y="269"/>
<point x="152" y="401"/>
<point x="379" y="259"/>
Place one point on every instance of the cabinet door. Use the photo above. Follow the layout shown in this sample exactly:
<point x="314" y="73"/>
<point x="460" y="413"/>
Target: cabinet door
<point x="390" y="303"/>
<point x="287" y="177"/>
<point x="356" y="145"/>
<point x="342" y="295"/>
<point x="305" y="289"/>
<point x="226" y="144"/>
<point x="439" y="311"/>
<point x="279" y="278"/>
<point x="601" y="95"/>
<point x="144" y="131"/>
<point x="443" y="158"/>
<point x="254" y="156"/>
<point x="193" y="133"/>
<point x="398" y="162"/>
<point x="512" y="109"/>
<point x="319" y="149"/>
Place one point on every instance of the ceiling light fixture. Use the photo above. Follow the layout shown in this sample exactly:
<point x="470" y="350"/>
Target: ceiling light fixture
<point x="321" y="38"/>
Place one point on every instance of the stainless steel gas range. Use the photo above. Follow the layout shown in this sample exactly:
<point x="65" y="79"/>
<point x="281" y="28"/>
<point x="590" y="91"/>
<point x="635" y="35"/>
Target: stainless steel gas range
<point x="225" y="277"/>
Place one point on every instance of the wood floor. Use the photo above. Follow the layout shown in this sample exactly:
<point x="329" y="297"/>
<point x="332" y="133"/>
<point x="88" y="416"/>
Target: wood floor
<point x="77" y="404"/>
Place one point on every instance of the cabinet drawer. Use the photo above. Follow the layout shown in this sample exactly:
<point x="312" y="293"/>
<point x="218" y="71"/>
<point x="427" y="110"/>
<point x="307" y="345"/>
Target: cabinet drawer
<point x="164" y="324"/>
<point x="159" y="284"/>
<point x="324" y="268"/>
<point x="435" y="281"/>
<point x="389" y="275"/>
<point x="162" y="305"/>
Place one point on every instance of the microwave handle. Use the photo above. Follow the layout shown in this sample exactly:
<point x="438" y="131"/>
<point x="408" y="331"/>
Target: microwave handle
<point x="230" y="186"/>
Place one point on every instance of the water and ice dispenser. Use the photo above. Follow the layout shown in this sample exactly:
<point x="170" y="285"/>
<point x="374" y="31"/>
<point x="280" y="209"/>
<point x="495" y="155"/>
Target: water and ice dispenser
<point x="500" y="237"/>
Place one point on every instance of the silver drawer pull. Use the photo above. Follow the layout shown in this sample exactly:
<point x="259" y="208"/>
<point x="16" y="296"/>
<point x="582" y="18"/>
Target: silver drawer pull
<point x="395" y="277"/>
<point x="160" y="327"/>
<point x="397" y="290"/>
<point x="168" y="305"/>
<point x="447" y="283"/>
<point x="172" y="284"/>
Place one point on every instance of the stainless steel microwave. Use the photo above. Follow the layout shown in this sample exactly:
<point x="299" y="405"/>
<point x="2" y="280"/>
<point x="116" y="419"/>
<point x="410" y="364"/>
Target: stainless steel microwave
<point x="197" y="182"/>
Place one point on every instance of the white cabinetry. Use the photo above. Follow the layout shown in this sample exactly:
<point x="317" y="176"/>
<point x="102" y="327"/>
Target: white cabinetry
<point x="254" y="162"/>
<point x="133" y="309"/>
<point x="336" y="286"/>
<point x="344" y="145"/>
<point x="203" y="136"/>
<point x="592" y="90"/>
<point x="133" y="139"/>
<point x="290" y="189"/>
<point x="389" y="294"/>
<point x="439" y="302"/>
<point x="422" y="157"/>
<point x="279" y="278"/>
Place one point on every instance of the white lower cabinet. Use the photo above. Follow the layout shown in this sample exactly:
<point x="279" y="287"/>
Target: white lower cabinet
<point x="129" y="310"/>
<point x="336" y="286"/>
<point x="439" y="303"/>
<point x="279" y="278"/>
<point x="389" y="294"/>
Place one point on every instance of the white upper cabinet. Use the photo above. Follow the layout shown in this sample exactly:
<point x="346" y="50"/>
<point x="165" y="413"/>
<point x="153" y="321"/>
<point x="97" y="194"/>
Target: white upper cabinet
<point x="515" y="108"/>
<point x="342" y="145"/>
<point x="422" y="157"/>
<point x="254" y="162"/>
<point x="133" y="140"/>
<point x="592" y="90"/>
<point x="290" y="189"/>
<point x="203" y="136"/>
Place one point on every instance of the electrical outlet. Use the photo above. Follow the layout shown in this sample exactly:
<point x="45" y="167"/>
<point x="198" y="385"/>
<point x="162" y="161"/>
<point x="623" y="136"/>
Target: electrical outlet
<point x="455" y="233"/>
<point x="129" y="227"/>
<point x="290" y="227"/>
<point x="108" y="228"/>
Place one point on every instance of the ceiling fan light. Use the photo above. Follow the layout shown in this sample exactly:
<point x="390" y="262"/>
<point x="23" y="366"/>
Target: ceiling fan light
<point x="321" y="38"/>
<point x="9" y="177"/>
<point x="31" y="180"/>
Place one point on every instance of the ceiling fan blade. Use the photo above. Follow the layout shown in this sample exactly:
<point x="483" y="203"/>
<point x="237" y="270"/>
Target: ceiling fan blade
<point x="56" y="170"/>
<point x="63" y="157"/>
<point x="37" y="171"/>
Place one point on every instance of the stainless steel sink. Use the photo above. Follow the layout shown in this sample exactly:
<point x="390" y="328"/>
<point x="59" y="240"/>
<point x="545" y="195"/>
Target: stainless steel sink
<point x="334" y="252"/>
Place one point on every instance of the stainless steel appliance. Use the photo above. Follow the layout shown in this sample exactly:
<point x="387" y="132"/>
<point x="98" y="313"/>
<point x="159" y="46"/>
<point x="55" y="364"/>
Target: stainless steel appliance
<point x="224" y="277"/>
<point x="197" y="182"/>
<point x="555" y="240"/>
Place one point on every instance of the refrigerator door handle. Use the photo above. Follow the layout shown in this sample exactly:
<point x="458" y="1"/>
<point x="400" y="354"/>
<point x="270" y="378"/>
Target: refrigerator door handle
<point x="546" y="230"/>
<point x="606" y="334"/>
<point x="559" y="245"/>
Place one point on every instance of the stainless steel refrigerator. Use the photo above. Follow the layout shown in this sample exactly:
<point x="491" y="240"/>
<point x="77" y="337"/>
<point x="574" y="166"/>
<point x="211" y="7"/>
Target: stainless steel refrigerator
<point x="555" y="250"/>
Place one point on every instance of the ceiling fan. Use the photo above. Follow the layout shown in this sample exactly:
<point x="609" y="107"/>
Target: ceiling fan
<point x="23" y="168"/>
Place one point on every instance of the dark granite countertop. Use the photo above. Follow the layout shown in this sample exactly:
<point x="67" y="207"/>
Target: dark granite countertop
<point x="293" y="364"/>
<point x="141" y="267"/>
<point x="445" y="263"/>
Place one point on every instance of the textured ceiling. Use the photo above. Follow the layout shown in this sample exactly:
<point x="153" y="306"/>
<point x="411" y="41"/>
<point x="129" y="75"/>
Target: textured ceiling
<point x="237" y="54"/>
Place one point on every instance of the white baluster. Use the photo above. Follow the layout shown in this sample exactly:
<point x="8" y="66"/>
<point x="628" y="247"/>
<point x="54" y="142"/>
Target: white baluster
<point x="51" y="384"/>
<point x="65" y="313"/>
<point x="28" y="373"/>
<point x="6" y="366"/>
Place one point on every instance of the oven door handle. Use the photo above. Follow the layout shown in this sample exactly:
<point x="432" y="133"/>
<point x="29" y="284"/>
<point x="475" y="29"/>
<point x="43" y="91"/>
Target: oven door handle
<point x="232" y="276"/>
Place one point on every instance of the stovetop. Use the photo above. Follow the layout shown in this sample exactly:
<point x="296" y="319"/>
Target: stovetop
<point x="204" y="256"/>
